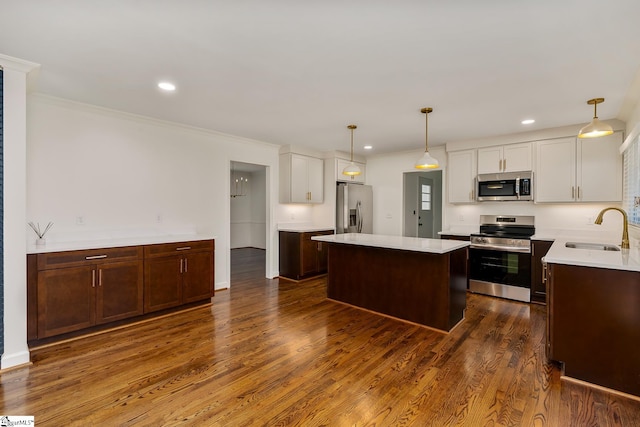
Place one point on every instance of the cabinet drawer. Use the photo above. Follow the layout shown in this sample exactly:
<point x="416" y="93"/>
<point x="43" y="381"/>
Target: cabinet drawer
<point x="53" y="260"/>
<point x="164" y="249"/>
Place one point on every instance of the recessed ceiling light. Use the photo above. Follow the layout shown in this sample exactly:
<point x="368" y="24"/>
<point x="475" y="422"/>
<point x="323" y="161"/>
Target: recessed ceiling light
<point x="368" y="147"/>
<point x="527" y="121"/>
<point x="169" y="87"/>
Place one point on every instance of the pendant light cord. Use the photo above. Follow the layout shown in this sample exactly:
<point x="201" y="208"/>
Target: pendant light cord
<point x="352" y="127"/>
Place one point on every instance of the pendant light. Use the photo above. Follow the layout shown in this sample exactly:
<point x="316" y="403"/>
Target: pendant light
<point x="426" y="161"/>
<point x="352" y="169"/>
<point x="596" y="128"/>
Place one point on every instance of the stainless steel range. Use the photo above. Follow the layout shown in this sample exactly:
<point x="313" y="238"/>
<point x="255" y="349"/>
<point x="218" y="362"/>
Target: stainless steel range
<point x="500" y="257"/>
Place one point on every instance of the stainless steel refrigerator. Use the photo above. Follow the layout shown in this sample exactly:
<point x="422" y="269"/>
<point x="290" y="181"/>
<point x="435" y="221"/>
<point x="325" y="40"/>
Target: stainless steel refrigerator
<point x="354" y="208"/>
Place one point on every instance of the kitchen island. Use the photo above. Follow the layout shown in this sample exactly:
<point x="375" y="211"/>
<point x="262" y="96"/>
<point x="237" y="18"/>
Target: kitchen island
<point x="419" y="280"/>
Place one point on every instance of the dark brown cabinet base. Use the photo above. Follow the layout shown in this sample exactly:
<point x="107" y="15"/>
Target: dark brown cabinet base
<point x="301" y="257"/>
<point x="539" y="249"/>
<point x="425" y="288"/>
<point x="74" y="292"/>
<point x="593" y="325"/>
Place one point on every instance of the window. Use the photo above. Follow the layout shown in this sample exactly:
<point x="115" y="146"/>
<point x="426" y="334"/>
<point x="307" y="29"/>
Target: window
<point x="631" y="180"/>
<point x="426" y="197"/>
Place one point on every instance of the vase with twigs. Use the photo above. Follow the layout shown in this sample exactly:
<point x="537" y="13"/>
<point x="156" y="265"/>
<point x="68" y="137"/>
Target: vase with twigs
<point x="36" y="227"/>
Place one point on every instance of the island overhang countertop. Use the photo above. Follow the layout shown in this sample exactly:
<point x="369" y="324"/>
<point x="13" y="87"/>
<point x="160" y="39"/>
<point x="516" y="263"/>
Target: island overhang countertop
<point x="413" y="244"/>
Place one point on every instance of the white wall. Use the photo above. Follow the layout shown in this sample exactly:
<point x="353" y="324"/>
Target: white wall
<point x="248" y="214"/>
<point x="385" y="175"/>
<point x="119" y="172"/>
<point x="16" y="351"/>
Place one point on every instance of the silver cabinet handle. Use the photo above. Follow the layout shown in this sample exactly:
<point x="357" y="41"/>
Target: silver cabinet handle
<point x="573" y="192"/>
<point x="100" y="277"/>
<point x="578" y="192"/>
<point x="181" y="265"/>
<point x="183" y="248"/>
<point x="504" y="165"/>
<point x="186" y="265"/>
<point x="544" y="272"/>
<point x="93" y="278"/>
<point x="95" y="257"/>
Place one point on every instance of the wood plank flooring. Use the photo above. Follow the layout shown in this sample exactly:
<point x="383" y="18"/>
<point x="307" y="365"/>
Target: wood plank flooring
<point x="277" y="353"/>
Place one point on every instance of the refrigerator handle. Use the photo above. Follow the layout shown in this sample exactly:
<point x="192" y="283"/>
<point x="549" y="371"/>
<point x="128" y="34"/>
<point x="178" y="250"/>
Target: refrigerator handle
<point x="358" y="217"/>
<point x="345" y="210"/>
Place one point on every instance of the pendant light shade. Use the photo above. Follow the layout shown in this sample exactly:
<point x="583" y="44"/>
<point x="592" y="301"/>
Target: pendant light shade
<point x="426" y="161"/>
<point x="596" y="128"/>
<point x="352" y="169"/>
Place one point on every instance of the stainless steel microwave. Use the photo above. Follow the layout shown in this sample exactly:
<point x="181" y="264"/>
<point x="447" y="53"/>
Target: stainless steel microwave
<point x="505" y="186"/>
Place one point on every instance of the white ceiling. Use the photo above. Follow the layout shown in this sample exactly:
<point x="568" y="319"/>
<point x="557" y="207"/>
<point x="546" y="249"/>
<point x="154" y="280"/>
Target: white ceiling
<point x="298" y="72"/>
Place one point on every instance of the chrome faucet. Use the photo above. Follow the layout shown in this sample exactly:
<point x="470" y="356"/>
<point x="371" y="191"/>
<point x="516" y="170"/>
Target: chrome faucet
<point x="625" y="225"/>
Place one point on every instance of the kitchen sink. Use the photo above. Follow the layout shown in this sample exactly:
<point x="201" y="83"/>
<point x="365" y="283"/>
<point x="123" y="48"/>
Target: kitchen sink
<point x="592" y="246"/>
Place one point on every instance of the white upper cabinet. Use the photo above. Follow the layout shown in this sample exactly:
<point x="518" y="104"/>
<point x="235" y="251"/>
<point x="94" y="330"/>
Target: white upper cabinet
<point x="341" y="164"/>
<point x="599" y="169"/>
<point x="555" y="177"/>
<point x="505" y="158"/>
<point x="301" y="179"/>
<point x="462" y="176"/>
<point x="579" y="170"/>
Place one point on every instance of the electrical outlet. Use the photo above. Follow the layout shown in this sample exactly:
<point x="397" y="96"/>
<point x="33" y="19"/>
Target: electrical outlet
<point x="80" y="220"/>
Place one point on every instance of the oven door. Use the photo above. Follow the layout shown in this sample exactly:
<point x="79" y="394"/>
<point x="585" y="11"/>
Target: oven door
<point x="500" y="272"/>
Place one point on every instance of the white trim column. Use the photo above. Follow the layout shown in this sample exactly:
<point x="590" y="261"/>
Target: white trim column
<point x="15" y="75"/>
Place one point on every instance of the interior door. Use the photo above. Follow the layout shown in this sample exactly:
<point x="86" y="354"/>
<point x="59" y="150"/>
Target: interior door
<point x="425" y="207"/>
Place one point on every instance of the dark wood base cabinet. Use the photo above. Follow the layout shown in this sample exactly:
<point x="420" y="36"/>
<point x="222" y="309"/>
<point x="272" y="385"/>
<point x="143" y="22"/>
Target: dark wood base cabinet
<point x="73" y="291"/>
<point x="593" y="325"/>
<point x="177" y="273"/>
<point x="301" y="257"/>
<point x="539" y="249"/>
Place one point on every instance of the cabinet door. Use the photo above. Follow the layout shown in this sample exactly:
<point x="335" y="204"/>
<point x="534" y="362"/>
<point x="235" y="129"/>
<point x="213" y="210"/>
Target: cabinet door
<point x="197" y="277"/>
<point x="517" y="158"/>
<point x="308" y="255"/>
<point x="599" y="169"/>
<point x="556" y="170"/>
<point x="462" y="176"/>
<point x="119" y="291"/>
<point x="299" y="179"/>
<point x="315" y="179"/>
<point x="162" y="283"/>
<point x="490" y="160"/>
<point x="66" y="300"/>
<point x="539" y="249"/>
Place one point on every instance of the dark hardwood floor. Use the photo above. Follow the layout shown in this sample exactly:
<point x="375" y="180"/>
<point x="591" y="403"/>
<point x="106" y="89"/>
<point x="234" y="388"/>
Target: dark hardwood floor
<point x="277" y="353"/>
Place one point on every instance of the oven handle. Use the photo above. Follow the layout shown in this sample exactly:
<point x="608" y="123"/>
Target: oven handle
<point x="501" y="248"/>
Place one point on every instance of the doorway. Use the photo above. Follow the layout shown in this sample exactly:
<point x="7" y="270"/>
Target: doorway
<point x="422" y="204"/>
<point x="248" y="215"/>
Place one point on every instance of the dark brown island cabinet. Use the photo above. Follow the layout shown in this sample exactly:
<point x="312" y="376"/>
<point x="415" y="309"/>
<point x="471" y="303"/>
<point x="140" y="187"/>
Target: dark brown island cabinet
<point x="301" y="257"/>
<point x="539" y="249"/>
<point x="421" y="287"/>
<point x="74" y="292"/>
<point x="593" y="325"/>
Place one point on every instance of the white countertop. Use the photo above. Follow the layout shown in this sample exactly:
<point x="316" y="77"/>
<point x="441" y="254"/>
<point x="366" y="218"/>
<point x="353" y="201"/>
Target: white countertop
<point x="414" y="244"/>
<point x="114" y="243"/>
<point x="628" y="259"/>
